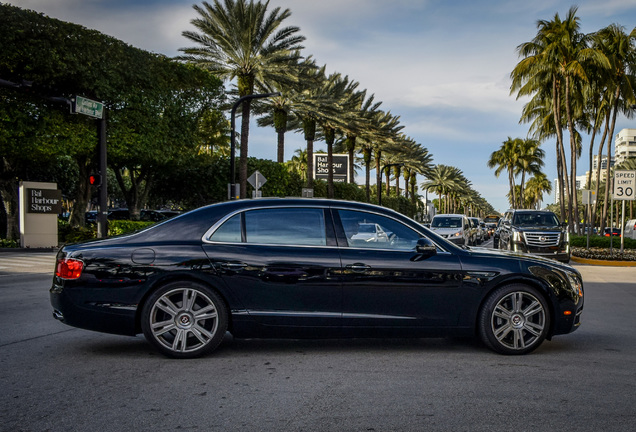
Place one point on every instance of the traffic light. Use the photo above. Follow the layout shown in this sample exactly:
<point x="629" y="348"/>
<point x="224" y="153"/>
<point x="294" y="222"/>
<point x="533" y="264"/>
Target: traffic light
<point x="95" y="180"/>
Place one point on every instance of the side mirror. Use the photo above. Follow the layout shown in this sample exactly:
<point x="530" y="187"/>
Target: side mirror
<point x="507" y="223"/>
<point x="425" y="249"/>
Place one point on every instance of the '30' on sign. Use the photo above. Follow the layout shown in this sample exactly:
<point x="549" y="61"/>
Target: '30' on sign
<point x="624" y="185"/>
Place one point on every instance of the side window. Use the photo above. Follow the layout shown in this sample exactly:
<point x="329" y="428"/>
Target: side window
<point x="369" y="230"/>
<point x="229" y="232"/>
<point x="286" y="226"/>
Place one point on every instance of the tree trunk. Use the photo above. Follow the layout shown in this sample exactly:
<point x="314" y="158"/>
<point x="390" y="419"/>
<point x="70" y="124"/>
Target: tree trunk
<point x="9" y="192"/>
<point x="84" y="192"/>
<point x="574" y="207"/>
<point x="245" y="131"/>
<point x="281" y="147"/>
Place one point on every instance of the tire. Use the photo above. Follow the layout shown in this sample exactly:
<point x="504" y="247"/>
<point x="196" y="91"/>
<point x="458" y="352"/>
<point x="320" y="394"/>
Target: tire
<point x="514" y="319"/>
<point x="184" y="320"/>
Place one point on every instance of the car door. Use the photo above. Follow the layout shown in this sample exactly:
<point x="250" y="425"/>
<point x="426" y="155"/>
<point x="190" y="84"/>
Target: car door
<point x="282" y="264"/>
<point x="386" y="286"/>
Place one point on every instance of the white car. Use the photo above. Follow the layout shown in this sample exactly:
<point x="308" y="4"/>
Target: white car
<point x="453" y="227"/>
<point x="630" y="229"/>
<point x="370" y="233"/>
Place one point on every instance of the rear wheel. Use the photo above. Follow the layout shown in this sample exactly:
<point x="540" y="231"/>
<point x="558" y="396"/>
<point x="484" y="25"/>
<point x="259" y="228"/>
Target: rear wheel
<point x="514" y="320"/>
<point x="184" y="320"/>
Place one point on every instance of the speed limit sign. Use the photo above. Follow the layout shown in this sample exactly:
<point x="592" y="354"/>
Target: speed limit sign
<point x="624" y="185"/>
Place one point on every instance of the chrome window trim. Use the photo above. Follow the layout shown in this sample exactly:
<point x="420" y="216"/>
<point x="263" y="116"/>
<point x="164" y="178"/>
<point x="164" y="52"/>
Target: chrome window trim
<point x="213" y="228"/>
<point x="205" y="239"/>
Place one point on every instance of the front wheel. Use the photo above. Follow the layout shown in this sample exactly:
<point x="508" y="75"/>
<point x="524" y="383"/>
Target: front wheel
<point x="514" y="320"/>
<point x="184" y="320"/>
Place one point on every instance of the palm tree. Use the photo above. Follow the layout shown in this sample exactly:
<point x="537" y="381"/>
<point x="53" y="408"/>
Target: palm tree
<point x="278" y="111"/>
<point x="555" y="64"/>
<point x="535" y="187"/>
<point x="506" y="158"/>
<point x="240" y="40"/>
<point x="620" y="50"/>
<point x="529" y="161"/>
<point x="441" y="180"/>
<point x="298" y="163"/>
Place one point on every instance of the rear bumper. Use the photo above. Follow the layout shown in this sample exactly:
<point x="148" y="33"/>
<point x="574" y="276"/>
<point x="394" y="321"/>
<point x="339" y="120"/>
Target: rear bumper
<point x="90" y="315"/>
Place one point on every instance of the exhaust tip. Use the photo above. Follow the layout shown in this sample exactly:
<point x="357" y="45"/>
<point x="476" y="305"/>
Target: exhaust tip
<point x="58" y="315"/>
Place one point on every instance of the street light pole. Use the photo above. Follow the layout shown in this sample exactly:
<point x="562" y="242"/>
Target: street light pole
<point x="232" y="134"/>
<point x="380" y="185"/>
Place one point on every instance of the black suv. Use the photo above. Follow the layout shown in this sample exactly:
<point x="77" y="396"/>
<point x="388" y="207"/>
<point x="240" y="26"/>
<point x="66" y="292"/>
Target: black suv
<point x="535" y="231"/>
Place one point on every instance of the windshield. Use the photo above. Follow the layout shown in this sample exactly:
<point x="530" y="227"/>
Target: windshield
<point x="446" y="222"/>
<point x="535" y="219"/>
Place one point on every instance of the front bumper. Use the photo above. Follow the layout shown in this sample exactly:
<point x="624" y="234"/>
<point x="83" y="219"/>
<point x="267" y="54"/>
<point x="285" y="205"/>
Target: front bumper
<point x="554" y="252"/>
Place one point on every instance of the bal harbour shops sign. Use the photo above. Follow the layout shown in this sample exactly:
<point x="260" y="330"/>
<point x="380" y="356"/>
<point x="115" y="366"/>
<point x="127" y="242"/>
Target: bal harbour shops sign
<point x="44" y="201"/>
<point x="340" y="167"/>
<point x="40" y="204"/>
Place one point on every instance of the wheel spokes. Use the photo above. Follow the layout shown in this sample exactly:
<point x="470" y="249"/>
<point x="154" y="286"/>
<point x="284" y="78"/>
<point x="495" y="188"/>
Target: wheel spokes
<point x="184" y="320"/>
<point x="518" y="320"/>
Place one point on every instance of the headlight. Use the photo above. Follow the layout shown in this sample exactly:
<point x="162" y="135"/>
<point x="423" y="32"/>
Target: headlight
<point x="516" y="236"/>
<point x="459" y="234"/>
<point x="575" y="283"/>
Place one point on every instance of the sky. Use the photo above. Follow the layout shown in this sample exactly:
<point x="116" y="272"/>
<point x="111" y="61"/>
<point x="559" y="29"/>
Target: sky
<point x="442" y="66"/>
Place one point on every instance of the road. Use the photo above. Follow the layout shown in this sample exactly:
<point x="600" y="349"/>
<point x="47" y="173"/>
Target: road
<point x="57" y="378"/>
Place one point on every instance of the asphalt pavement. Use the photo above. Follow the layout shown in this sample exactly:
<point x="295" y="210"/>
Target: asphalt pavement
<point x="58" y="378"/>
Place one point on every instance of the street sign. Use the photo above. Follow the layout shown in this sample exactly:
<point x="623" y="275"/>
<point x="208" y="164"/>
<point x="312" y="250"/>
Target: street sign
<point x="340" y="167"/>
<point x="624" y="185"/>
<point x="88" y="107"/>
<point x="257" y="180"/>
<point x="588" y="197"/>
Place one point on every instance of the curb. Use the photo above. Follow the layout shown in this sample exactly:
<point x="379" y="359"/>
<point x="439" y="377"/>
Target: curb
<point x="606" y="263"/>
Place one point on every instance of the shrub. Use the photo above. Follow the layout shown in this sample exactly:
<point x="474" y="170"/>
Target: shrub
<point x="119" y="227"/>
<point x="601" y="242"/>
<point x="6" y="243"/>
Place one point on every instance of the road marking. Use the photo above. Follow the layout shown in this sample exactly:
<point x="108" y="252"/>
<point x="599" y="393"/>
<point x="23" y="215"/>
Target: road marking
<point x="17" y="262"/>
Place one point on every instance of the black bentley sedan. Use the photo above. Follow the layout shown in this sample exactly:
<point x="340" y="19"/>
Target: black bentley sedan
<point x="297" y="268"/>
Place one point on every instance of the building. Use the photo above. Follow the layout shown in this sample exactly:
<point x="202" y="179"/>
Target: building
<point x="580" y="184"/>
<point x="625" y="145"/>
<point x="603" y="164"/>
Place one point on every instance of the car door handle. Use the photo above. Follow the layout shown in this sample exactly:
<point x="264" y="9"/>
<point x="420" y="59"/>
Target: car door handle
<point x="233" y="266"/>
<point x="358" y="267"/>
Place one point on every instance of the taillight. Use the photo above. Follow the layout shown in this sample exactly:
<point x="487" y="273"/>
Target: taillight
<point x="69" y="268"/>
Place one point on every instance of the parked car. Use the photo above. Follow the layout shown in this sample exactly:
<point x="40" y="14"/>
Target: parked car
<point x="615" y="232"/>
<point x="157" y="215"/>
<point x="118" y="214"/>
<point x="90" y="216"/>
<point x="289" y="268"/>
<point x="630" y="229"/>
<point x="453" y="227"/>
<point x="370" y="232"/>
<point x="537" y="232"/>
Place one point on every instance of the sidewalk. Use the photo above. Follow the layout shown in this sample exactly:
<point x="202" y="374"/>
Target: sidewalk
<point x="27" y="261"/>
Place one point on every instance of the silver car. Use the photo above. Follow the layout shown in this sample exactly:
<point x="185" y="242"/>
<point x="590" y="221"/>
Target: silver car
<point x="453" y="227"/>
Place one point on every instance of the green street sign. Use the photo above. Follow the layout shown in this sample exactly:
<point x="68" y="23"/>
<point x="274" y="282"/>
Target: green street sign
<point x="88" y="107"/>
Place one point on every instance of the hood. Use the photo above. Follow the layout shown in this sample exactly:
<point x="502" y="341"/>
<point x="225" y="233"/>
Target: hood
<point x="446" y="230"/>
<point x="488" y="252"/>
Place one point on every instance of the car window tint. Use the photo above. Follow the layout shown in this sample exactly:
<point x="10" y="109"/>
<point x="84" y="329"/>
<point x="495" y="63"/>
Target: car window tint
<point x="286" y="226"/>
<point x="229" y="232"/>
<point x="369" y="230"/>
<point x="446" y="222"/>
